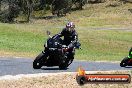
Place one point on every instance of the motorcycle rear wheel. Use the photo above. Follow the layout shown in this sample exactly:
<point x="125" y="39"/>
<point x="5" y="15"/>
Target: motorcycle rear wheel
<point x="63" y="67"/>
<point x="66" y="64"/>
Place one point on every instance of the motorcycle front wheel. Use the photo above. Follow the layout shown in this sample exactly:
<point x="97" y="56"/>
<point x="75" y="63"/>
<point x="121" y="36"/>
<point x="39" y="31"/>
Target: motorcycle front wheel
<point x="37" y="63"/>
<point x="124" y="62"/>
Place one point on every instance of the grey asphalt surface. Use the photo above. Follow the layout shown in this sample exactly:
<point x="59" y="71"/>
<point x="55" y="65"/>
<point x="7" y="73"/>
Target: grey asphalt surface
<point x="16" y="66"/>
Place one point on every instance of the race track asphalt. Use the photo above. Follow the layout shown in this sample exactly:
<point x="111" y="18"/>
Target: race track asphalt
<point x="16" y="66"/>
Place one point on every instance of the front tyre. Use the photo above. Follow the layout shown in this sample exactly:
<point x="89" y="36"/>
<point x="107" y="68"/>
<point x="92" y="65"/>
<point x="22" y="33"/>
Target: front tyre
<point x="37" y="63"/>
<point x="124" y="62"/>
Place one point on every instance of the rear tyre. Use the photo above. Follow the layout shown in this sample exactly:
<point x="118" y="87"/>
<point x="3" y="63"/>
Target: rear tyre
<point x="63" y="67"/>
<point x="124" y="62"/>
<point x="37" y="63"/>
<point x="70" y="59"/>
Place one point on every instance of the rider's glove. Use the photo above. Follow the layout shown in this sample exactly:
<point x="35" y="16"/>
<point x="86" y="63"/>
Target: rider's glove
<point x="70" y="46"/>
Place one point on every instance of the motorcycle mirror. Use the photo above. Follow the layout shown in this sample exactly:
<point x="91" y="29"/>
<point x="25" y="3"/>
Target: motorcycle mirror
<point x="48" y="32"/>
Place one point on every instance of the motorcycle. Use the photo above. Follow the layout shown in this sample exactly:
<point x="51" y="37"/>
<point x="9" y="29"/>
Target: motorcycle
<point x="55" y="54"/>
<point x="127" y="61"/>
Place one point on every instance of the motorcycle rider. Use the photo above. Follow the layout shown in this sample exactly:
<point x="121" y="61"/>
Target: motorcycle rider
<point x="70" y="37"/>
<point x="130" y="53"/>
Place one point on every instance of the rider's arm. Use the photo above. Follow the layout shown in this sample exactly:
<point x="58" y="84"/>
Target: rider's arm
<point x="75" y="39"/>
<point x="61" y="33"/>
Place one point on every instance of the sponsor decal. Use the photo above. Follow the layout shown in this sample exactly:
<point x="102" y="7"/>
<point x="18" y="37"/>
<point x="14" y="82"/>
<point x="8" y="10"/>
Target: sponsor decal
<point x="83" y="78"/>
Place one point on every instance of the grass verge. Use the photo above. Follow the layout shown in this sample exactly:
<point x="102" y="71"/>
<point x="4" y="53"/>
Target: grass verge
<point x="24" y="39"/>
<point x="28" y="39"/>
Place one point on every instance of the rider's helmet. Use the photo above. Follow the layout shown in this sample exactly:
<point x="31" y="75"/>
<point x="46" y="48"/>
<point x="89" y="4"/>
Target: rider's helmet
<point x="70" y="26"/>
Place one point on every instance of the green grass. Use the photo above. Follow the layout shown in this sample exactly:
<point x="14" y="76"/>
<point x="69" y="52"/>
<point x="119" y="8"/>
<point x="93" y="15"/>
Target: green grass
<point x="19" y="41"/>
<point x="28" y="39"/>
<point x="96" y="44"/>
<point x="104" y="44"/>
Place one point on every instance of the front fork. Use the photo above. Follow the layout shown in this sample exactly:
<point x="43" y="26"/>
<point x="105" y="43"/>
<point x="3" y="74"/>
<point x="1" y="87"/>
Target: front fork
<point x="45" y="56"/>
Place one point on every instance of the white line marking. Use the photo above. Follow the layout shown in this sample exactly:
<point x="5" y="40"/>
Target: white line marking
<point x="17" y="77"/>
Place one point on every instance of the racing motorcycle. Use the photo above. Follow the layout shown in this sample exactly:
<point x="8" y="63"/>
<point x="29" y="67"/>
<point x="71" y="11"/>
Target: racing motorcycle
<point x="55" y="54"/>
<point x="127" y="61"/>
